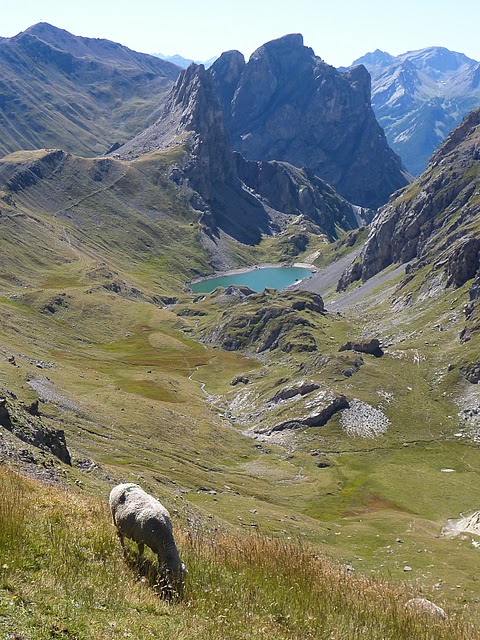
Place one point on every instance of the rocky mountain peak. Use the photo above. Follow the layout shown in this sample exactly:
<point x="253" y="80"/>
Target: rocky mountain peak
<point x="45" y="29"/>
<point x="437" y="60"/>
<point x="289" y="105"/>
<point x="360" y="80"/>
<point x="192" y="92"/>
<point x="290" y="44"/>
<point x="230" y="65"/>
<point x="243" y="199"/>
<point x="375" y="58"/>
<point x="191" y="117"/>
<point x="226" y="72"/>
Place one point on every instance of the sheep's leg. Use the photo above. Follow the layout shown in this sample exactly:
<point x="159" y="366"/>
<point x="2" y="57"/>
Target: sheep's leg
<point x="141" y="547"/>
<point x="120" y="537"/>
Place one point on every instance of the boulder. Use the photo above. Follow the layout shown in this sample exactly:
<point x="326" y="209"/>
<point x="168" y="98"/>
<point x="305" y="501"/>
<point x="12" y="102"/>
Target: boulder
<point x="301" y="389"/>
<point x="425" y="607"/>
<point x="371" y="346"/>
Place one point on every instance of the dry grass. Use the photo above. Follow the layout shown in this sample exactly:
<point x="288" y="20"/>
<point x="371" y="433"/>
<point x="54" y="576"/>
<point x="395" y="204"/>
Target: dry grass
<point x="63" y="576"/>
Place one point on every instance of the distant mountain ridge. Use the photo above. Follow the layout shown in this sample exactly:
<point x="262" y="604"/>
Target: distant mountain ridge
<point x="185" y="62"/>
<point x="80" y="94"/>
<point x="420" y="96"/>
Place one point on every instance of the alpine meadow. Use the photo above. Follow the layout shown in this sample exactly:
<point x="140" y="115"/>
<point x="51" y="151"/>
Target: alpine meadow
<point x="315" y="449"/>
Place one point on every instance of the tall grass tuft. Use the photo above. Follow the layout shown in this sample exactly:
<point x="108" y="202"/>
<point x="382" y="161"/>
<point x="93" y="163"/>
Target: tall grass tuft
<point x="13" y="511"/>
<point x="280" y="589"/>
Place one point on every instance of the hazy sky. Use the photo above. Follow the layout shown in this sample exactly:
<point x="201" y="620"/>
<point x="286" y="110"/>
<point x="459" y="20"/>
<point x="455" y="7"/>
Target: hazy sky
<point x="339" y="30"/>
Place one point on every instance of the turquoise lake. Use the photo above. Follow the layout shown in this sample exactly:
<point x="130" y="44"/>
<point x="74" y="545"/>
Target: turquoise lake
<point x="257" y="279"/>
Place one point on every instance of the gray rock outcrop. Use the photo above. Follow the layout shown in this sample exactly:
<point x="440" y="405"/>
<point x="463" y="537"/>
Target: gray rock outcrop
<point x="302" y="389"/>
<point x="471" y="372"/>
<point x="428" y="223"/>
<point x="327" y="407"/>
<point x="371" y="346"/>
<point x="25" y="423"/>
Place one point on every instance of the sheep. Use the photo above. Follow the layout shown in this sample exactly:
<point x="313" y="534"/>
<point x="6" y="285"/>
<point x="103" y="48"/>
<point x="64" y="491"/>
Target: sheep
<point x="143" y="519"/>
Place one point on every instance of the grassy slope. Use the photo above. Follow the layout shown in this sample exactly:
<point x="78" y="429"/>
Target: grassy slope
<point x="63" y="576"/>
<point x="83" y="101"/>
<point x="122" y="383"/>
<point x="376" y="491"/>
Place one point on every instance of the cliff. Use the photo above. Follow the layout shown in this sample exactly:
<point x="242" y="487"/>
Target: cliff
<point x="434" y="221"/>
<point x="286" y="104"/>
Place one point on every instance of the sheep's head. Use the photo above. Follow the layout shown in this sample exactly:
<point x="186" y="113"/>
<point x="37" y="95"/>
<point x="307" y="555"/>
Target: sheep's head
<point x="172" y="579"/>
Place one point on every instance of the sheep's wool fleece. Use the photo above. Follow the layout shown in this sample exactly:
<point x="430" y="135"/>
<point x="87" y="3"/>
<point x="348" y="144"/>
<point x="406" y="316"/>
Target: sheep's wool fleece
<point x="130" y="505"/>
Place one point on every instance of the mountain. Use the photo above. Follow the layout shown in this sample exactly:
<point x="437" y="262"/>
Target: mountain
<point x="286" y="104"/>
<point x="93" y="93"/>
<point x="433" y="223"/>
<point x="97" y="95"/>
<point x="182" y="62"/>
<point x="375" y="59"/>
<point x="420" y="96"/>
<point x="243" y="199"/>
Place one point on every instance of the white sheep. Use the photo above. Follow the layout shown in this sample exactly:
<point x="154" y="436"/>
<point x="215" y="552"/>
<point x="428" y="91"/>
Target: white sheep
<point x="143" y="519"/>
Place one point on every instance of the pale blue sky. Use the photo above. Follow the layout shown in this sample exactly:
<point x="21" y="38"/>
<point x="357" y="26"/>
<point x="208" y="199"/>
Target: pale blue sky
<point x="338" y="31"/>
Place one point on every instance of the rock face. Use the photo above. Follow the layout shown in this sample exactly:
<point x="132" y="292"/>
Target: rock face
<point x="472" y="315"/>
<point x="327" y="407"/>
<point x="419" y="97"/>
<point x="286" y="104"/>
<point x="300" y="191"/>
<point x="431" y="222"/>
<point x="471" y="372"/>
<point x="192" y="119"/>
<point x="243" y="200"/>
<point x="26" y="425"/>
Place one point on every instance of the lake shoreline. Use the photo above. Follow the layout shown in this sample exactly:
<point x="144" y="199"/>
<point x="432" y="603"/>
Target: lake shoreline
<point x="253" y="267"/>
<point x="233" y="273"/>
